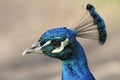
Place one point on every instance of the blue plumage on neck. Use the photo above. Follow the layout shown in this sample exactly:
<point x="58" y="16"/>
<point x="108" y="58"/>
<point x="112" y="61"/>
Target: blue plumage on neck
<point x="76" y="68"/>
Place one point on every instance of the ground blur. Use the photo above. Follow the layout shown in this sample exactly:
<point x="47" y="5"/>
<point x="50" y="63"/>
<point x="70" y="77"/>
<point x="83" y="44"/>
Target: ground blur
<point x="23" y="21"/>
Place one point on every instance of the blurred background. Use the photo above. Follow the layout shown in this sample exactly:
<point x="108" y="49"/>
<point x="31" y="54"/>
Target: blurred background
<point x="23" y="21"/>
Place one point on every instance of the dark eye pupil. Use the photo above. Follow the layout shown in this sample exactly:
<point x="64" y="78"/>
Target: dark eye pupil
<point x="55" y="43"/>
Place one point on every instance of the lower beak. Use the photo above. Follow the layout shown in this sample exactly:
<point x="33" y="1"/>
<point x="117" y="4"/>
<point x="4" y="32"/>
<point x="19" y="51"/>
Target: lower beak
<point x="35" y="48"/>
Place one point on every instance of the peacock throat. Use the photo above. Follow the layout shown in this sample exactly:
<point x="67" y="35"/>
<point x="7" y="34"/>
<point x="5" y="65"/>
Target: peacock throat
<point x="76" y="67"/>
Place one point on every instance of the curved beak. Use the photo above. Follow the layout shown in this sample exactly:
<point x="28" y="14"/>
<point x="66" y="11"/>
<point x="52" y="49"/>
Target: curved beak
<point x="35" y="48"/>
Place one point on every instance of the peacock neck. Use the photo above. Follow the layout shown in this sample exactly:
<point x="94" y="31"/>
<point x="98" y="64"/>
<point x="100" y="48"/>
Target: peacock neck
<point x="76" y="68"/>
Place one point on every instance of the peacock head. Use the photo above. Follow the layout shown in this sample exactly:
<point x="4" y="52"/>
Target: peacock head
<point x="57" y="43"/>
<point x="60" y="42"/>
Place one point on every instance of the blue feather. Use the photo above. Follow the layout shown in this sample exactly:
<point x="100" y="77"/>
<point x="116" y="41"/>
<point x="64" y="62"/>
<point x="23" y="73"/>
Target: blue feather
<point x="76" y="68"/>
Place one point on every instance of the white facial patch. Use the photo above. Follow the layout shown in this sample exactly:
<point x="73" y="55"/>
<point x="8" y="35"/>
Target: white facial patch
<point x="47" y="43"/>
<point x="40" y="47"/>
<point x="62" y="46"/>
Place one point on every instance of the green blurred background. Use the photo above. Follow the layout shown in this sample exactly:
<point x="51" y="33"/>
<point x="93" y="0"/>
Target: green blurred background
<point x="23" y="21"/>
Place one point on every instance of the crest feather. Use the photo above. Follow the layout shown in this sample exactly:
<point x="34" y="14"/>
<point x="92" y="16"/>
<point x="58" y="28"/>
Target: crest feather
<point x="91" y="26"/>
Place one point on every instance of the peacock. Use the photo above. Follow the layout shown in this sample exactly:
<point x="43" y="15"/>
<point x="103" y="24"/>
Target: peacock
<point x="61" y="43"/>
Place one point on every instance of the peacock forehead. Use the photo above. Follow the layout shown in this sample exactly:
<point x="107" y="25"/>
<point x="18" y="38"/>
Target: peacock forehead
<point x="58" y="32"/>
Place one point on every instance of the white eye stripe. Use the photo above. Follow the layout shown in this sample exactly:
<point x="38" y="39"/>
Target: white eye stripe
<point x="40" y="47"/>
<point x="57" y="38"/>
<point x="47" y="43"/>
<point x="63" y="44"/>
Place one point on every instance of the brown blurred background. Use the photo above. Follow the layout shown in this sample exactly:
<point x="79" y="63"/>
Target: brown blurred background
<point x="23" y="21"/>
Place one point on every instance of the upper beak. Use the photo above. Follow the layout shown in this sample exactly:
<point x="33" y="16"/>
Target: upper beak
<point x="35" y="48"/>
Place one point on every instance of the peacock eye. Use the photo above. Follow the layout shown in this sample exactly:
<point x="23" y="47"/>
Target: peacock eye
<point x="55" y="43"/>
